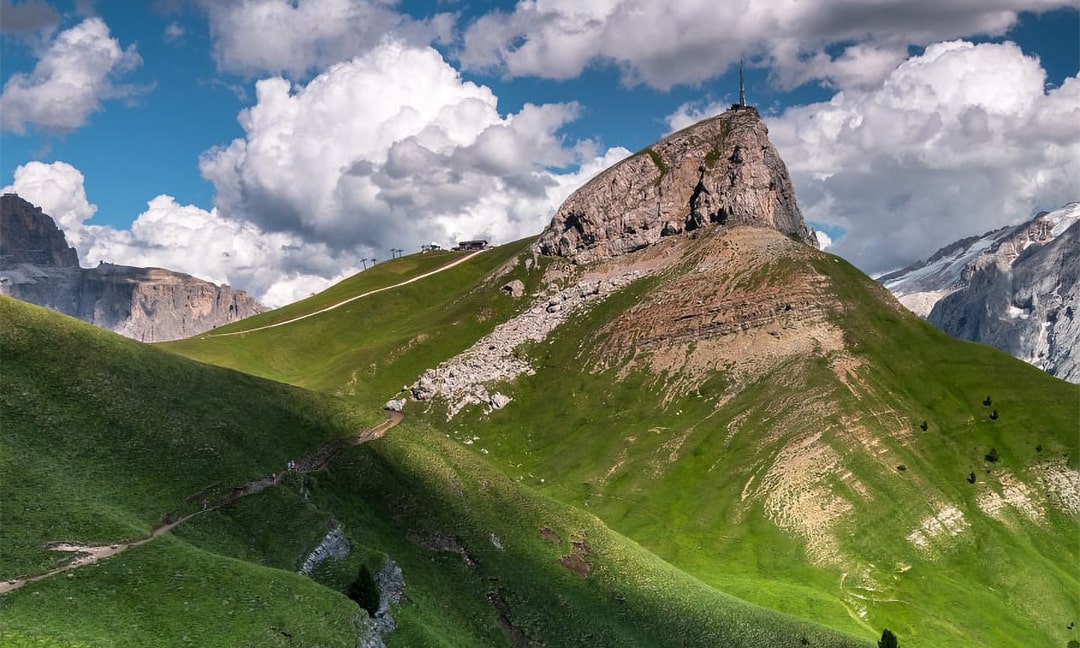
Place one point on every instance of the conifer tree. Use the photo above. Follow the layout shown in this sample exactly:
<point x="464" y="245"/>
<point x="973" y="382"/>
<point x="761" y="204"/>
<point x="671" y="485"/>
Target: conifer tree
<point x="888" y="640"/>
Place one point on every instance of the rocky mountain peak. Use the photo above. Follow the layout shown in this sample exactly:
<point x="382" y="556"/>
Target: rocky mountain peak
<point x="27" y="235"/>
<point x="1014" y="288"/>
<point x="148" y="304"/>
<point x="720" y="171"/>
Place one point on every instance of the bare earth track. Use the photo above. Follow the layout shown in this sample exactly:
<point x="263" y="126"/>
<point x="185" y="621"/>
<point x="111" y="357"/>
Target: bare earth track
<point x="352" y="299"/>
<point x="89" y="554"/>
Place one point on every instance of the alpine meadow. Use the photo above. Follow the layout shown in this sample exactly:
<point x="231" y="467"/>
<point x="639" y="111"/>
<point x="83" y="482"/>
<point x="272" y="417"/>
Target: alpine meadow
<point x="668" y="420"/>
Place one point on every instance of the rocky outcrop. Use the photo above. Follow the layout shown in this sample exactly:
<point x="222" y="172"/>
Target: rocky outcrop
<point x="464" y="379"/>
<point x="721" y="171"/>
<point x="391" y="584"/>
<point x="1014" y="288"/>
<point x="147" y="304"/>
<point x="333" y="545"/>
<point x="1027" y="308"/>
<point x="27" y="235"/>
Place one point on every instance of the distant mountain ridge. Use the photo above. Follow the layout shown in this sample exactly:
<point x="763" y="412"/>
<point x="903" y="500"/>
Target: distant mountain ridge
<point x="1015" y="288"/>
<point x="148" y="304"/>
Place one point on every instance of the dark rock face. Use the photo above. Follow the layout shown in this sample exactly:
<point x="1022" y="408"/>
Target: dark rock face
<point x="720" y="171"/>
<point x="147" y="304"/>
<point x="29" y="236"/>
<point x="1015" y="288"/>
<point x="1026" y="308"/>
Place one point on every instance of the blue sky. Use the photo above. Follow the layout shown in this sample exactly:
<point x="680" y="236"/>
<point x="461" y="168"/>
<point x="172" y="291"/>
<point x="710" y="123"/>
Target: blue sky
<point x="273" y="144"/>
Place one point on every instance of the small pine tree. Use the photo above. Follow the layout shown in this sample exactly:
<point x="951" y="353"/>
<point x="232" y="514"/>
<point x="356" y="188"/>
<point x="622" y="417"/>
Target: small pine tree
<point x="993" y="415"/>
<point x="924" y="426"/>
<point x="365" y="591"/>
<point x="987" y="402"/>
<point x="971" y="478"/>
<point x="888" y="640"/>
<point x="992" y="456"/>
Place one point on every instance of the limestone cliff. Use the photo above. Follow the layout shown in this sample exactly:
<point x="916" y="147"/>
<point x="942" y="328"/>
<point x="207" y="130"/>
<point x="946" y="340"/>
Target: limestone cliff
<point x="1026" y="308"/>
<point x="721" y="170"/>
<point x="1015" y="288"/>
<point x="29" y="236"/>
<point x="147" y="304"/>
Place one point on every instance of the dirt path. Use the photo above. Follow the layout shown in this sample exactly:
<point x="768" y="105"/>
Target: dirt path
<point x="351" y="299"/>
<point x="90" y="554"/>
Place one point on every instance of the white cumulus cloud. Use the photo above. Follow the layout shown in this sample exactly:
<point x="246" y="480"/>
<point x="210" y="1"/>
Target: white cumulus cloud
<point x="392" y="149"/>
<point x="848" y="43"/>
<point x="73" y="75"/>
<point x="388" y="150"/>
<point x="955" y="142"/>
<point x="277" y="268"/>
<point x="293" y="37"/>
<point x="58" y="189"/>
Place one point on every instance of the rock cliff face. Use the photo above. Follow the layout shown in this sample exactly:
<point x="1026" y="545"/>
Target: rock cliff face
<point x="29" y="236"/>
<point x="1015" y="288"/>
<point x="722" y="171"/>
<point x="1027" y="308"/>
<point x="147" y="304"/>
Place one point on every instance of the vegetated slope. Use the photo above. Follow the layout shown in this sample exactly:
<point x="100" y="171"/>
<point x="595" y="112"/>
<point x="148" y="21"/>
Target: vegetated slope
<point x="754" y="415"/>
<point x="755" y="412"/>
<point x="104" y="439"/>
<point x="105" y="436"/>
<point x="368" y="349"/>
<point x="744" y="410"/>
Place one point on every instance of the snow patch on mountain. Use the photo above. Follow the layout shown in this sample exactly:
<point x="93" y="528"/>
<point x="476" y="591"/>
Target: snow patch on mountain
<point x="1015" y="288"/>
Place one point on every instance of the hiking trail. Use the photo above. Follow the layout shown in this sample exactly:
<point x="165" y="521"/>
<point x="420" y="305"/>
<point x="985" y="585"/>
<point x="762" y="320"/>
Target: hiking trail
<point x="89" y="554"/>
<point x="350" y="299"/>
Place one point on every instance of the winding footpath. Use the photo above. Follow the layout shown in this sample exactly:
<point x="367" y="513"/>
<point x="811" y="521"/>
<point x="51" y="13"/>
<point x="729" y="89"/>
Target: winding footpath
<point x="350" y="299"/>
<point x="89" y="554"/>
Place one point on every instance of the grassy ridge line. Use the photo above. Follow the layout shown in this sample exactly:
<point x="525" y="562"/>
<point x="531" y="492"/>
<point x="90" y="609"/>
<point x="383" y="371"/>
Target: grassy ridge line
<point x="367" y="350"/>
<point x="104" y="435"/>
<point x="351" y="299"/>
<point x="377" y="276"/>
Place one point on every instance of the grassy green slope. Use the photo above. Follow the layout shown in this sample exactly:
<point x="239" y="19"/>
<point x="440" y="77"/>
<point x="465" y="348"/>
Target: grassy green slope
<point x="368" y="349"/>
<point x="679" y="477"/>
<point x="103" y="436"/>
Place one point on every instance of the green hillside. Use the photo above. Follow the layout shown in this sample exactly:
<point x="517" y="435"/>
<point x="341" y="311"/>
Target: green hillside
<point x="804" y="484"/>
<point x="368" y="349"/>
<point x="105" y="438"/>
